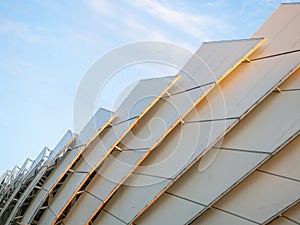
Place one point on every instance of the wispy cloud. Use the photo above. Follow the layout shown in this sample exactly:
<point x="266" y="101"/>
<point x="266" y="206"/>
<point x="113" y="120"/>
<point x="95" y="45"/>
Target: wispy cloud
<point x="104" y="7"/>
<point x="141" y="31"/>
<point x="138" y="30"/>
<point x="154" y="20"/>
<point x="195" y="25"/>
<point x="15" y="30"/>
<point x="18" y="29"/>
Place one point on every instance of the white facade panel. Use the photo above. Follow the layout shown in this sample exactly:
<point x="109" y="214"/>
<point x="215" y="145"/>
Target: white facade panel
<point x="268" y="118"/>
<point x="107" y="218"/>
<point x="286" y="162"/>
<point x="56" y="175"/>
<point x="171" y="214"/>
<point x="180" y="148"/>
<point x="213" y="61"/>
<point x="123" y="207"/>
<point x="95" y="126"/>
<point x="170" y="110"/>
<point x="103" y="118"/>
<point x="221" y="174"/>
<point x="282" y="221"/>
<point x="36" y="172"/>
<point x="66" y="140"/>
<point x="220" y="145"/>
<point x="272" y="193"/>
<point x="264" y="195"/>
<point x="215" y="217"/>
<point x="238" y="94"/>
<point x="292" y="83"/>
<point x="62" y="167"/>
<point x="78" y="213"/>
<point x="282" y="23"/>
<point x="101" y="147"/>
<point x="16" y="182"/>
<point x="294" y="213"/>
<point x="45" y="159"/>
<point x="37" y="163"/>
<point x="192" y="119"/>
<point x="248" y="144"/>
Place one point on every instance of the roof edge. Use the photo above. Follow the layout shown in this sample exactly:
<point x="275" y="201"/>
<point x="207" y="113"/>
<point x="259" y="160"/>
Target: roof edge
<point x="290" y="3"/>
<point x="233" y="40"/>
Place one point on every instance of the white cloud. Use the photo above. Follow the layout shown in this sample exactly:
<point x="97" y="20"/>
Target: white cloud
<point x="141" y="31"/>
<point x="104" y="7"/>
<point x="20" y="30"/>
<point x="26" y="32"/>
<point x="128" y="20"/>
<point x="195" y="25"/>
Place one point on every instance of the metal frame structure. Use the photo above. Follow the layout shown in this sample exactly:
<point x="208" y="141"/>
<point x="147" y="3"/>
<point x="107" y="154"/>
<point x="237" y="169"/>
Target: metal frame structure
<point x="19" y="177"/>
<point x="17" y="196"/>
<point x="73" y="148"/>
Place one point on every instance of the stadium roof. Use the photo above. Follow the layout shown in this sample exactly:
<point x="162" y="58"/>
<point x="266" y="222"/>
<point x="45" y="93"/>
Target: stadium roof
<point x="221" y="150"/>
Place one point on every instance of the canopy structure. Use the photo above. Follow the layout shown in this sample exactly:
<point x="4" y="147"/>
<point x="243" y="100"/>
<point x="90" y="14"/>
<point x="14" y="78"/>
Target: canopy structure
<point x="224" y="151"/>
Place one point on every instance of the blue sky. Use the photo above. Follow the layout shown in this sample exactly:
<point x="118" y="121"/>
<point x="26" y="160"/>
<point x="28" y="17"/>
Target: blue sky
<point x="46" y="46"/>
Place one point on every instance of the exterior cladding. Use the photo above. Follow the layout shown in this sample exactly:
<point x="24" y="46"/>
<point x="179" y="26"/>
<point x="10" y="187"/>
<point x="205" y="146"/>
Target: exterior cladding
<point x="228" y="152"/>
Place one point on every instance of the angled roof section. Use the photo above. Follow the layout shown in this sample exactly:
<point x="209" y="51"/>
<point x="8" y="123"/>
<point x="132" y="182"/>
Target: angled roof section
<point x="173" y="109"/>
<point x="284" y="64"/>
<point x="137" y="103"/>
<point x="197" y="151"/>
<point x="294" y="213"/>
<point x="280" y="28"/>
<point x="249" y="84"/>
<point x="29" y="177"/>
<point x="65" y="141"/>
<point x="213" y="61"/>
<point x="35" y="174"/>
<point x="94" y="127"/>
<point x="280" y="189"/>
<point x="182" y="102"/>
<point x="244" y="148"/>
<point x="5" y="194"/>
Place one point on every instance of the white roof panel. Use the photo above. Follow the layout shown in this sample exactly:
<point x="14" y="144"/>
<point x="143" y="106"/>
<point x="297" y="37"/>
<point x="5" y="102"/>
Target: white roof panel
<point x="248" y="144"/>
<point x="280" y="29"/>
<point x="217" y="127"/>
<point x="65" y="141"/>
<point x="292" y="83"/>
<point x="171" y="214"/>
<point x="101" y="147"/>
<point x="34" y="172"/>
<point x="169" y="110"/>
<point x="213" y="61"/>
<point x="107" y="218"/>
<point x="277" y="193"/>
<point x="242" y="90"/>
<point x="103" y="118"/>
<point x="293" y="213"/>
<point x="218" y="217"/>
<point x="95" y="126"/>
<point x="282" y="221"/>
<point x="124" y="207"/>
<point x="58" y="172"/>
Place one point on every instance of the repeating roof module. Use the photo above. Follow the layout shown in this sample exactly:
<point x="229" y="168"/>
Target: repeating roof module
<point x="227" y="152"/>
